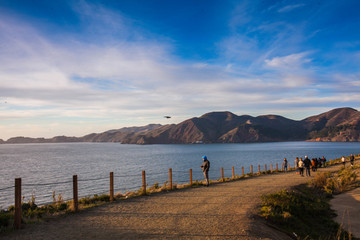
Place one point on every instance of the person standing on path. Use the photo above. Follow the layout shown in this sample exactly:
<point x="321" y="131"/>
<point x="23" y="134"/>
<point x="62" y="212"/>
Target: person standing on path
<point x="352" y="159"/>
<point x="343" y="160"/>
<point x="297" y="165"/>
<point x="307" y="164"/>
<point x="301" y="167"/>
<point x="205" y="168"/>
<point x="285" y="165"/>
<point x="324" y="161"/>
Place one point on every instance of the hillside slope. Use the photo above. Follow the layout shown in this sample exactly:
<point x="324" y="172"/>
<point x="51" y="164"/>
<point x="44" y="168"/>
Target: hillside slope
<point x="341" y="124"/>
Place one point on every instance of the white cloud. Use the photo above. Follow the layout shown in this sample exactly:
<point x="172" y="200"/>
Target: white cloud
<point x="289" y="62"/>
<point x="289" y="8"/>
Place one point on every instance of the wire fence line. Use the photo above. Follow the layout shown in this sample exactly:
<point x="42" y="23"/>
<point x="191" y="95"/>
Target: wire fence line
<point x="45" y="184"/>
<point x="177" y="177"/>
<point x="6" y="188"/>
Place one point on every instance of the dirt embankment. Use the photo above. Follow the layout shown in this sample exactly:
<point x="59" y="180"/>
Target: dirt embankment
<point x="221" y="211"/>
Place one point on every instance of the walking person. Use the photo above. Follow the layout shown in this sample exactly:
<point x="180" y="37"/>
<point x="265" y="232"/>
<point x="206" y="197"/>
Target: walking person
<point x="343" y="161"/>
<point x="307" y="164"/>
<point x="285" y="165"/>
<point x="205" y="168"/>
<point x="352" y="159"/>
<point x="301" y="167"/>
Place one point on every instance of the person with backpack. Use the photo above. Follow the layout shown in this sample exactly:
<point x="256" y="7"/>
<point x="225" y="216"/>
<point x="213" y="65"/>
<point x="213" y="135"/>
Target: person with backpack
<point x="205" y="168"/>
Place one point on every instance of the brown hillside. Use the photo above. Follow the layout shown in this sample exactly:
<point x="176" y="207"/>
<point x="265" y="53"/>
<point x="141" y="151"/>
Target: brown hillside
<point x="342" y="124"/>
<point x="333" y="118"/>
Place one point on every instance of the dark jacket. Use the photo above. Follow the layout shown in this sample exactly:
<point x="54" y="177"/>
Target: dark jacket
<point x="307" y="162"/>
<point x="205" y="166"/>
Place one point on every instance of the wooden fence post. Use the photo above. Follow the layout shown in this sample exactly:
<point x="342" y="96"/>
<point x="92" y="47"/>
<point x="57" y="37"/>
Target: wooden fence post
<point x="259" y="170"/>
<point x="222" y="174"/>
<point x="111" y="186"/>
<point x="272" y="168"/>
<point x="143" y="183"/>
<point x="190" y="173"/>
<point x="265" y="168"/>
<point x="75" y="193"/>
<point x="277" y="167"/>
<point x="18" y="207"/>
<point x="170" y="179"/>
<point x="252" y="172"/>
<point x="242" y="170"/>
<point x="233" y="172"/>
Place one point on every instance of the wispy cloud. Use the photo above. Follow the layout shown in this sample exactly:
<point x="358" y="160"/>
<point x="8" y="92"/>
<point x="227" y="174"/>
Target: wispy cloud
<point x="289" y="8"/>
<point x="292" y="61"/>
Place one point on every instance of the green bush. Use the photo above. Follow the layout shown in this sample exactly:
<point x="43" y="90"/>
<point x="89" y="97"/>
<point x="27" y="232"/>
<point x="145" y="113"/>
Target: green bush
<point x="96" y="198"/>
<point x="305" y="212"/>
<point x="339" y="182"/>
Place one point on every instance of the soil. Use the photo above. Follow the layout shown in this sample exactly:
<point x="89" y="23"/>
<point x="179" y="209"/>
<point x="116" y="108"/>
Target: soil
<point x="220" y="211"/>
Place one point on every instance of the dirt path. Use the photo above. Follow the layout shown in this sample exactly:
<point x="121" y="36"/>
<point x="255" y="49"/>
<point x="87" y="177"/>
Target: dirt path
<point x="221" y="211"/>
<point x="347" y="207"/>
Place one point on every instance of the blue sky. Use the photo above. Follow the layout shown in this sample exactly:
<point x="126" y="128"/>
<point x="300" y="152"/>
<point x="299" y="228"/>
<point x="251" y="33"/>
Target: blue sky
<point x="77" y="67"/>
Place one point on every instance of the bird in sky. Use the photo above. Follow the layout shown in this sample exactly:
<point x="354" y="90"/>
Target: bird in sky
<point x="167" y="116"/>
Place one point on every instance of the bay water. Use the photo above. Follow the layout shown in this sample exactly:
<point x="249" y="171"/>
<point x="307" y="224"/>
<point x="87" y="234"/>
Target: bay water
<point x="48" y="168"/>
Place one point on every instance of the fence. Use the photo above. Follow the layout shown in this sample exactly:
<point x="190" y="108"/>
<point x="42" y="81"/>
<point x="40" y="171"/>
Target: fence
<point x="75" y="181"/>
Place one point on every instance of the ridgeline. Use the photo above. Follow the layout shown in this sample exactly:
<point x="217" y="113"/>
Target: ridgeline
<point x="341" y="125"/>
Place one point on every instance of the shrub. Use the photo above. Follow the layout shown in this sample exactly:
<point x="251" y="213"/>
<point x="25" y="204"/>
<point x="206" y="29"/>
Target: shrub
<point x="62" y="207"/>
<point x="303" y="212"/>
<point x="320" y="180"/>
<point x="341" y="182"/>
<point x="155" y="186"/>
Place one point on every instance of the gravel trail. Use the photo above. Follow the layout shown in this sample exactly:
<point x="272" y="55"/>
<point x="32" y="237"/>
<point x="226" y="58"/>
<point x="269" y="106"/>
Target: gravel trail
<point x="221" y="211"/>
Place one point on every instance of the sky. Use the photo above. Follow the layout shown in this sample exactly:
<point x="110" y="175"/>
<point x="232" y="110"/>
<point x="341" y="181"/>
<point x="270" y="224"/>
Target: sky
<point x="77" y="67"/>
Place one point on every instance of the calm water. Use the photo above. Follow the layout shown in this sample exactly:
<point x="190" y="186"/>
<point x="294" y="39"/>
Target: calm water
<point x="45" y="168"/>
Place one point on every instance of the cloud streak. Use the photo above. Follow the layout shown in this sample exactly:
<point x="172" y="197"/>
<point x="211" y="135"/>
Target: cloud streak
<point x="289" y="8"/>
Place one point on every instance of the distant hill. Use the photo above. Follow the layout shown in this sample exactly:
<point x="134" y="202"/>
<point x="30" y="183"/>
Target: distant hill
<point x="342" y="124"/>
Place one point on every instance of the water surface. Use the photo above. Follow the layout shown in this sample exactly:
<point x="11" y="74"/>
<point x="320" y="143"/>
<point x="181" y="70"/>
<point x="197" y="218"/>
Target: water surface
<point x="41" y="166"/>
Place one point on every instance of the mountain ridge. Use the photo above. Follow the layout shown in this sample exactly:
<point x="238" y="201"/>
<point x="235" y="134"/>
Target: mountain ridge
<point x="340" y="124"/>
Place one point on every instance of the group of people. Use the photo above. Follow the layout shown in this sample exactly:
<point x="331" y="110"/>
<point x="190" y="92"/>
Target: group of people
<point x="317" y="163"/>
<point x="300" y="165"/>
<point x="307" y="165"/>
<point x="351" y="159"/>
